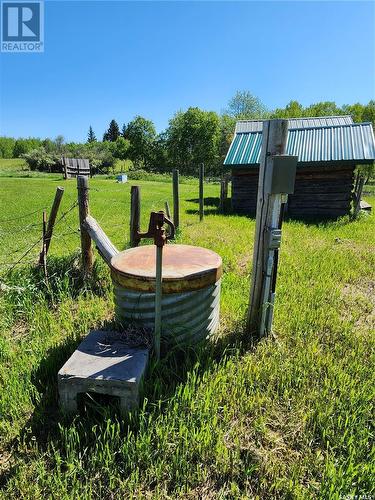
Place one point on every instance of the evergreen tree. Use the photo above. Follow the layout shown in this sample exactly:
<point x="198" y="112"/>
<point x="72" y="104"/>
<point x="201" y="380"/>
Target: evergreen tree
<point x="123" y="130"/>
<point x="112" y="133"/>
<point x="91" y="135"/>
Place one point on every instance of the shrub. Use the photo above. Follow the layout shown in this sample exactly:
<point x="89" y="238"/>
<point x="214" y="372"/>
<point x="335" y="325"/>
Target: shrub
<point x="40" y="159"/>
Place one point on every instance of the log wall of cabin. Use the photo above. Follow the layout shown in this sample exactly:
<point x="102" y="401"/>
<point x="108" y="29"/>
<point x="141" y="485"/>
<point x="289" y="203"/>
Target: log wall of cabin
<point x="323" y="191"/>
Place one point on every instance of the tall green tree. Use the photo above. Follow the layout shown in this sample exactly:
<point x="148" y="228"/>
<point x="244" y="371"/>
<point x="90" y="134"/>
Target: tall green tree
<point x="7" y="147"/>
<point x="112" y="133"/>
<point x="361" y="112"/>
<point x="22" y="146"/>
<point x="91" y="137"/>
<point x="142" y="134"/>
<point x="325" y="108"/>
<point x="121" y="150"/>
<point x="227" y="126"/>
<point x="194" y="137"/>
<point x="292" y="110"/>
<point x="246" y="106"/>
<point x="59" y="143"/>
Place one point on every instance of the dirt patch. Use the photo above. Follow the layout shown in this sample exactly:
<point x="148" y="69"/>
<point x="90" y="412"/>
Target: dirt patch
<point x="244" y="263"/>
<point x="6" y="462"/>
<point x="19" y="331"/>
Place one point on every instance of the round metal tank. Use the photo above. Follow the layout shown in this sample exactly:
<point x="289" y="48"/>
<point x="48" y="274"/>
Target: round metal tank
<point x="191" y="290"/>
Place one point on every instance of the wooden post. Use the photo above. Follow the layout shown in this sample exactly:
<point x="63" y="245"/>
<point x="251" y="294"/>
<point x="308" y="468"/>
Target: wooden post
<point x="43" y="252"/>
<point x="226" y="182"/>
<point x="135" y="215"/>
<point x="223" y="193"/>
<point x="84" y="211"/>
<point x="167" y="210"/>
<point x="52" y="217"/>
<point x="176" y="199"/>
<point x="201" y="193"/>
<point x="274" y="140"/>
<point x="222" y="196"/>
<point x="103" y="244"/>
<point x="358" y="194"/>
<point x="65" y="171"/>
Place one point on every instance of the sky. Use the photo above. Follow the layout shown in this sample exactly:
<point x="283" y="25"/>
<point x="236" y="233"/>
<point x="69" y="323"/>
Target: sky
<point x="105" y="60"/>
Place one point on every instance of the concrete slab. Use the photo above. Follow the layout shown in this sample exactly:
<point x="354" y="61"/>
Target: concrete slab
<point x="103" y="364"/>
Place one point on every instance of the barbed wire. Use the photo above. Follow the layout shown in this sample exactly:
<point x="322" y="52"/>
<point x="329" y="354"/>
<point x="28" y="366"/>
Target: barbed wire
<point x="23" y="216"/>
<point x="65" y="238"/>
<point x="25" y="254"/>
<point x="21" y="230"/>
<point x="75" y="204"/>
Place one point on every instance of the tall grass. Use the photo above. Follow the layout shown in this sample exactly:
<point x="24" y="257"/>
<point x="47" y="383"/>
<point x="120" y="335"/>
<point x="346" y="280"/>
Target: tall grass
<point x="289" y="417"/>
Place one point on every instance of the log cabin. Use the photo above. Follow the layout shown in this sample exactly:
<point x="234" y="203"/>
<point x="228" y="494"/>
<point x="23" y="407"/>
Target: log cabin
<point x="329" y="149"/>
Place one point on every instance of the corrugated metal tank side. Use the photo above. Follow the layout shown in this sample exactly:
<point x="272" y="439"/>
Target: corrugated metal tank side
<point x="187" y="317"/>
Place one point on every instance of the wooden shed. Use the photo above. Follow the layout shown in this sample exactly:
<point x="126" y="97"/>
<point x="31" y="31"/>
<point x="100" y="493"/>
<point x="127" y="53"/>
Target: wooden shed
<point x="329" y="149"/>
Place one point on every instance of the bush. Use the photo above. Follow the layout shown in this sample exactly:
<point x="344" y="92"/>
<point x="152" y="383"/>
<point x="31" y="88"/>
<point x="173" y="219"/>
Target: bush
<point x="40" y="159"/>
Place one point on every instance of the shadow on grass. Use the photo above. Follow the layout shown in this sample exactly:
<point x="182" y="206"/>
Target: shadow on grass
<point x="162" y="382"/>
<point x="210" y="202"/>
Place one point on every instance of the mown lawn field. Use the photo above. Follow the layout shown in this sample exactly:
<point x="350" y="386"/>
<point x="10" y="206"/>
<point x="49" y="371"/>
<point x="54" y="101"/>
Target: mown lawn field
<point x="288" y="417"/>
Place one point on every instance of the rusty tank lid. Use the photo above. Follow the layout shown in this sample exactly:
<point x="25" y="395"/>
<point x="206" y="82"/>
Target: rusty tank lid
<point x="185" y="268"/>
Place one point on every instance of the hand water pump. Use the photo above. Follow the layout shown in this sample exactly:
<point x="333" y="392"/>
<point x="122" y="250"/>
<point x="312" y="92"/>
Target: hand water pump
<point x="156" y="232"/>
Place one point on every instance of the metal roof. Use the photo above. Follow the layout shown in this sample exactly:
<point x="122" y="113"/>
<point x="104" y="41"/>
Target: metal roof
<point x="315" y="121"/>
<point x="353" y="142"/>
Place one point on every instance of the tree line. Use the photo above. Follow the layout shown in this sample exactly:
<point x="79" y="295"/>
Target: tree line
<point x="192" y="137"/>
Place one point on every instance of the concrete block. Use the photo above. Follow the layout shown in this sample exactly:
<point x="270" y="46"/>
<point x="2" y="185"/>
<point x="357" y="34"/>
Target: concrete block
<point x="103" y="364"/>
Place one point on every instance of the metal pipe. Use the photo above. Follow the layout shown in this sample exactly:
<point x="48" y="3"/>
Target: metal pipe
<point x="158" y="298"/>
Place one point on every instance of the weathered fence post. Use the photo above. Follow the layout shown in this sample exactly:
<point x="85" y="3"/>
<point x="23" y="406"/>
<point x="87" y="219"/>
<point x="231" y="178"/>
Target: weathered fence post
<point x="201" y="193"/>
<point x="223" y="194"/>
<point x="135" y="215"/>
<point x="360" y="182"/>
<point x="226" y="182"/>
<point x="267" y="230"/>
<point x="84" y="211"/>
<point x="176" y="199"/>
<point x="43" y="253"/>
<point x="167" y="210"/>
<point x="64" y="166"/>
<point x="51" y="222"/>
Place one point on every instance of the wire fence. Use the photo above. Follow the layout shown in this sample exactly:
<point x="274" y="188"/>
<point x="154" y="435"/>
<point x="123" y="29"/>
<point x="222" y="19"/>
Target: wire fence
<point x="21" y="235"/>
<point x="21" y="238"/>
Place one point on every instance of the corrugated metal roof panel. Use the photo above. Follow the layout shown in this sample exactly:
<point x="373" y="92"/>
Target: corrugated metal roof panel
<point x="353" y="142"/>
<point x="315" y="121"/>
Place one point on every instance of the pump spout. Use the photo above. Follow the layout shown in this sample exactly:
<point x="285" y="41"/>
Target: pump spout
<point x="104" y="245"/>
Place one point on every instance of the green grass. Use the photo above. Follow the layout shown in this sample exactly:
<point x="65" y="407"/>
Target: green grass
<point x="12" y="166"/>
<point x="291" y="417"/>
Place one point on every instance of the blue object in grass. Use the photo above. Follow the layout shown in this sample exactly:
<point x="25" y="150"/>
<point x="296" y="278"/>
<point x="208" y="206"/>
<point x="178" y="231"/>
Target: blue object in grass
<point x="122" y="178"/>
